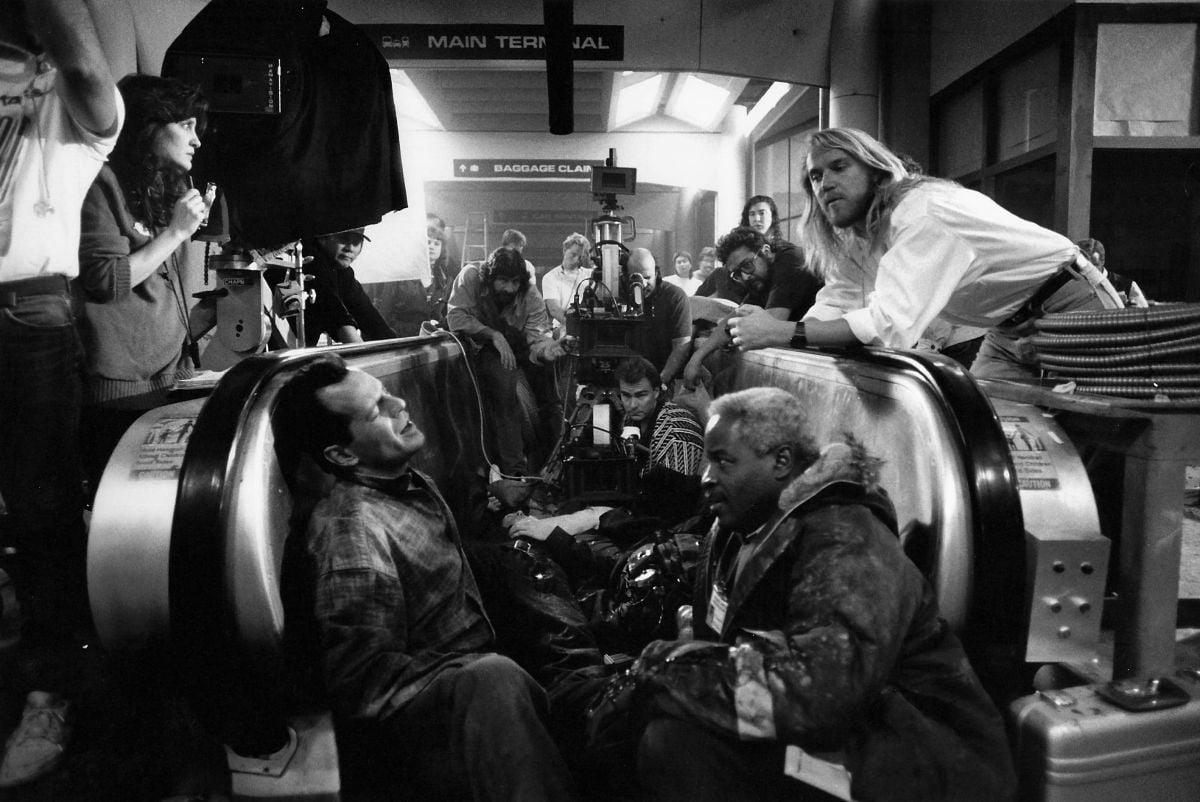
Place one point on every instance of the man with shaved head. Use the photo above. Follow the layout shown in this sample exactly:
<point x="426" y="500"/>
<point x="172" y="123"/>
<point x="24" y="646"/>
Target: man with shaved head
<point x="665" y="337"/>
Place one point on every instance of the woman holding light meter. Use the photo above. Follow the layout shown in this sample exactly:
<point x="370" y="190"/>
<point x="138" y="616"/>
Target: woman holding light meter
<point x="137" y="326"/>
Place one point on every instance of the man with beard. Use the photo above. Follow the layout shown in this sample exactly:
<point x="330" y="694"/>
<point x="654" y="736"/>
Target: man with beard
<point x="496" y="305"/>
<point x="815" y="633"/>
<point x="770" y="274"/>
<point x="901" y="250"/>
<point x="341" y="308"/>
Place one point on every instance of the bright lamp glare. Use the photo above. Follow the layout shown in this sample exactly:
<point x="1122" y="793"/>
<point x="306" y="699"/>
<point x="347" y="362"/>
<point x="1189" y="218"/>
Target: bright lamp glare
<point x="699" y="102"/>
<point x="639" y="100"/>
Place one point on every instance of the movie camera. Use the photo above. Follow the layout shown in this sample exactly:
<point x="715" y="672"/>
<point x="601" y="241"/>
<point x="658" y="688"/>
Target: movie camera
<point x="609" y="305"/>
<point x="605" y="315"/>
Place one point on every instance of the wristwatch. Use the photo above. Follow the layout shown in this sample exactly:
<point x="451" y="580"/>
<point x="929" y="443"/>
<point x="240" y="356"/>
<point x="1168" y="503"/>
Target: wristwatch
<point x="798" y="339"/>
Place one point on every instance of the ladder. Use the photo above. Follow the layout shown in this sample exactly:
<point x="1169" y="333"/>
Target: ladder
<point x="475" y="237"/>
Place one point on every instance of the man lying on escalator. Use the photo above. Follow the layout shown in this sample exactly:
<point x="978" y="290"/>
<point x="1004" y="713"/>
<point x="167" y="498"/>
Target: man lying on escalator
<point x="406" y="648"/>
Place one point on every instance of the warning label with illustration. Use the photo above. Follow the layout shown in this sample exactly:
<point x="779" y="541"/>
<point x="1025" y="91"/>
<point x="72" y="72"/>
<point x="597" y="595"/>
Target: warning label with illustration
<point x="1035" y="469"/>
<point x="160" y="455"/>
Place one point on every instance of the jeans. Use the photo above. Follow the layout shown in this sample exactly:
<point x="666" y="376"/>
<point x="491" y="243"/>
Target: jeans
<point x="512" y="422"/>
<point x="40" y="474"/>
<point x="482" y="724"/>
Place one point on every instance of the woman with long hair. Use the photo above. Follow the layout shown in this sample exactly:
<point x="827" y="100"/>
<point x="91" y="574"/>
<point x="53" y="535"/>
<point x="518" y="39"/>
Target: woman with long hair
<point x="441" y="279"/>
<point x="761" y="214"/>
<point x="137" y="218"/>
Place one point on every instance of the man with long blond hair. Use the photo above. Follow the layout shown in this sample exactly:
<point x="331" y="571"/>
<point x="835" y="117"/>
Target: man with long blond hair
<point x="899" y="251"/>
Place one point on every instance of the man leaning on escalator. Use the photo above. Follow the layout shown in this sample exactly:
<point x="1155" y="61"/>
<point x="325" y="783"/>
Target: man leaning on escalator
<point x="406" y="648"/>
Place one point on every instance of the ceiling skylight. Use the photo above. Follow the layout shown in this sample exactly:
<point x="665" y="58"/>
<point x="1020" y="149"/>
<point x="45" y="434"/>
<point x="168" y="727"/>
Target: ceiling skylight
<point x="698" y="101"/>
<point x="638" y="100"/>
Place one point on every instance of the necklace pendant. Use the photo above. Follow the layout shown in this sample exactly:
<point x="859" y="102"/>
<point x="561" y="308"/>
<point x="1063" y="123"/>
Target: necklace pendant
<point x="43" y="208"/>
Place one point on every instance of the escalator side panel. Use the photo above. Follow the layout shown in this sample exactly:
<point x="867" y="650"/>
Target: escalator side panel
<point x="894" y="415"/>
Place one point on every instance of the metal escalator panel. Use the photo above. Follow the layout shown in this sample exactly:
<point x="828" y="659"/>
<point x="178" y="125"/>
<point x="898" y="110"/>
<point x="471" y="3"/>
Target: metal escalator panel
<point x="1066" y="556"/>
<point x="946" y="467"/>
<point x="187" y="543"/>
<point x="129" y="538"/>
<point x="992" y="500"/>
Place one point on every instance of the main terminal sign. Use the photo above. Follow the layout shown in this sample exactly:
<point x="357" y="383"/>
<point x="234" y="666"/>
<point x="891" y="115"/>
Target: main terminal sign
<point x="491" y="42"/>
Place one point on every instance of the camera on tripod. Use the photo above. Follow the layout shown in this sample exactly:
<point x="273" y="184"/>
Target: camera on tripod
<point x="609" y="305"/>
<point x="605" y="315"/>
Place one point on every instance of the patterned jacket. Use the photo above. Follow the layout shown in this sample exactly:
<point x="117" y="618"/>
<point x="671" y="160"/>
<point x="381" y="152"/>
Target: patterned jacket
<point x="832" y="641"/>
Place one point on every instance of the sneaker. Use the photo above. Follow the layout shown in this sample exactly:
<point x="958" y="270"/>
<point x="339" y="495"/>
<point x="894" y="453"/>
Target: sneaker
<point x="37" y="744"/>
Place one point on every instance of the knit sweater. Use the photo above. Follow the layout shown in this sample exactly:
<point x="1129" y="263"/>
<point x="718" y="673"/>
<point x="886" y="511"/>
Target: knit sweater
<point x="133" y="336"/>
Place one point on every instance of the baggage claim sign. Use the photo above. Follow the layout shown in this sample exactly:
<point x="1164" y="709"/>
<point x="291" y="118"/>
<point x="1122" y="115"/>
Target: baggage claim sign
<point x="490" y="42"/>
<point x="524" y="168"/>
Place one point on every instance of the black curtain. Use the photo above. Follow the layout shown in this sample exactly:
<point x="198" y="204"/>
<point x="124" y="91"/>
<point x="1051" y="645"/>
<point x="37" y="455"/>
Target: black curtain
<point x="329" y="158"/>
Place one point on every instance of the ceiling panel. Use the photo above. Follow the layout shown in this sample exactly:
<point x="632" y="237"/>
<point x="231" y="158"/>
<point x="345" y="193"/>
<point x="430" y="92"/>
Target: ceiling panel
<point x="484" y="100"/>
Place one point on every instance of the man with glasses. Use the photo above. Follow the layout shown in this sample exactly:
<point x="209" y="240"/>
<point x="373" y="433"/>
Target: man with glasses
<point x="771" y="275"/>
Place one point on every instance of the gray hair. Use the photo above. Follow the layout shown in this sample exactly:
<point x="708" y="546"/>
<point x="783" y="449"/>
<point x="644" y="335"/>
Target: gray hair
<point x="768" y="418"/>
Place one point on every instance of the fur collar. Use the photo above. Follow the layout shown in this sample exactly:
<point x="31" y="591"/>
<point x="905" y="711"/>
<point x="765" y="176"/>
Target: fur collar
<point x="838" y="462"/>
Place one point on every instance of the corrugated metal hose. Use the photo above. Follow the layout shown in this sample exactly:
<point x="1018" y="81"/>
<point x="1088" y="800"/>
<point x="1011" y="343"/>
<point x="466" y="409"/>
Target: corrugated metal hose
<point x="1144" y="353"/>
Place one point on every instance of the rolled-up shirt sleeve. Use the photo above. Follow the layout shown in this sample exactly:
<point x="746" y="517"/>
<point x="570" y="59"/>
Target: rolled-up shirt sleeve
<point x="839" y="296"/>
<point x="921" y="269"/>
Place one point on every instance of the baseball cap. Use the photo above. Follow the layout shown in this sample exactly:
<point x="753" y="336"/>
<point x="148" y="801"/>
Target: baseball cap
<point x="348" y="231"/>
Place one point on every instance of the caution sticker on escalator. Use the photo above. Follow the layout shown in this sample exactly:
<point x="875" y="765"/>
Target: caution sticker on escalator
<point x="1035" y="469"/>
<point x="160" y="455"/>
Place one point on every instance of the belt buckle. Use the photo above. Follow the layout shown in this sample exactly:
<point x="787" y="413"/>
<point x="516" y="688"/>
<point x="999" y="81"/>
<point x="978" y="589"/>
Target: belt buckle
<point x="8" y="300"/>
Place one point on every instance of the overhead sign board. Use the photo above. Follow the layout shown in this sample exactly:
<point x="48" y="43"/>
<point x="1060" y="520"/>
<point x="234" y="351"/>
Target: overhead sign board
<point x="507" y="217"/>
<point x="491" y="42"/>
<point x="577" y="169"/>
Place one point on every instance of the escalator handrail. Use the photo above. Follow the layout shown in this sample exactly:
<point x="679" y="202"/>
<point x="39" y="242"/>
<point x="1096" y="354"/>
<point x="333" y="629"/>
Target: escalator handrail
<point x="999" y="541"/>
<point x="201" y="620"/>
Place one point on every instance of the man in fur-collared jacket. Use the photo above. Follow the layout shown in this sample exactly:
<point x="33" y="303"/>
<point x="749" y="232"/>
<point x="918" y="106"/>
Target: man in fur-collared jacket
<point x="820" y="654"/>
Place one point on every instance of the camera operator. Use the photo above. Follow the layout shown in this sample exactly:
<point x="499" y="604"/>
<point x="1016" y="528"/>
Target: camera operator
<point x="665" y="338"/>
<point x="668" y="488"/>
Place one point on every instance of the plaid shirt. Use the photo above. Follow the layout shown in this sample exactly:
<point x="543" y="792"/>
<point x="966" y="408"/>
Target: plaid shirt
<point x="395" y="600"/>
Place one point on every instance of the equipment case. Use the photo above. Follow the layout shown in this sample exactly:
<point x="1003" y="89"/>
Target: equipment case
<point x="1074" y="745"/>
